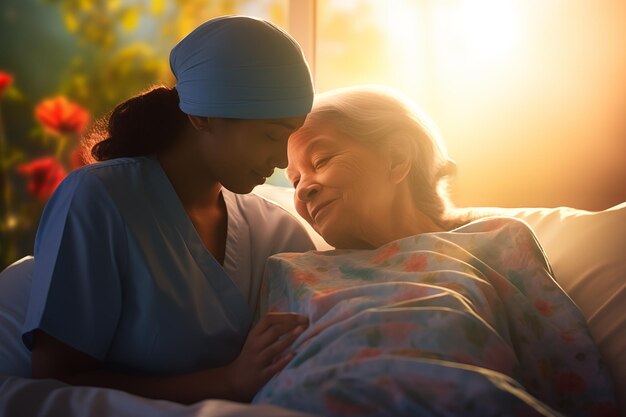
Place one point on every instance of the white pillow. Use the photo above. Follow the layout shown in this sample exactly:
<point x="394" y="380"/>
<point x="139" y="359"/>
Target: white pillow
<point x="587" y="252"/>
<point x="15" y="283"/>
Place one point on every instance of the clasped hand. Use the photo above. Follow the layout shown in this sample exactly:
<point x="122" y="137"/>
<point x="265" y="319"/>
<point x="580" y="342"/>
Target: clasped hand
<point x="265" y="352"/>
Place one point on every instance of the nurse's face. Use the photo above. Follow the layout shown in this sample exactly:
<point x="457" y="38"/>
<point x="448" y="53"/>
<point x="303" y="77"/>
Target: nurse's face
<point x="342" y="187"/>
<point x="241" y="154"/>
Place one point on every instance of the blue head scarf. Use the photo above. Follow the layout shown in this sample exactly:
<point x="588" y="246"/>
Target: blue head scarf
<point x="241" y="67"/>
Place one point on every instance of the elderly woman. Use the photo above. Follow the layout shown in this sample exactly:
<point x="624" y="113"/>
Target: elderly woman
<point x="419" y="311"/>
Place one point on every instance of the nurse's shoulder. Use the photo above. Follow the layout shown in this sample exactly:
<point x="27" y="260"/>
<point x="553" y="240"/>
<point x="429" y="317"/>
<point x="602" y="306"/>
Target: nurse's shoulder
<point x="85" y="192"/>
<point x="91" y="180"/>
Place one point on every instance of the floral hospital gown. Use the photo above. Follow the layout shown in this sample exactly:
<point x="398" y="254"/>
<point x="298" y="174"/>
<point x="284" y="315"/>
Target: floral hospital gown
<point x="461" y="323"/>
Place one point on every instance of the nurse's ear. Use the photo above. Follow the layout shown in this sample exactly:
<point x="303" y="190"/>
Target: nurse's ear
<point x="200" y="123"/>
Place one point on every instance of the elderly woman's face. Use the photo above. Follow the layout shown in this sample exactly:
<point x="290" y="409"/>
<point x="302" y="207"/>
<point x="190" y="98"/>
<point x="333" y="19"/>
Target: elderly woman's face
<point x="342" y="186"/>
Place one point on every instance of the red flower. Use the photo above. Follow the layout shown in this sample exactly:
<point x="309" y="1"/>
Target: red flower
<point x="44" y="176"/>
<point x="385" y="253"/>
<point x="568" y="335"/>
<point x="416" y="262"/>
<point x="59" y="115"/>
<point x="302" y="277"/>
<point x="545" y="308"/>
<point x="6" y="80"/>
<point x="367" y="353"/>
<point x="568" y="382"/>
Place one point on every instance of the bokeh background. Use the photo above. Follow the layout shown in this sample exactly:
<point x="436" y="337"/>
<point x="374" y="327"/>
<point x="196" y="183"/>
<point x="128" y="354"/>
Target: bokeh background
<point x="528" y="95"/>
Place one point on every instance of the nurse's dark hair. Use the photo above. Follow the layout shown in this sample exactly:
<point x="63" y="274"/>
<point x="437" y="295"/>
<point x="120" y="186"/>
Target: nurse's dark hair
<point x="144" y="124"/>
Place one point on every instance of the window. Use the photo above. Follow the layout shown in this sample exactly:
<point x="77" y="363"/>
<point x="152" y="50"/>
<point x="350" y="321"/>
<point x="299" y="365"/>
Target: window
<point x="528" y="95"/>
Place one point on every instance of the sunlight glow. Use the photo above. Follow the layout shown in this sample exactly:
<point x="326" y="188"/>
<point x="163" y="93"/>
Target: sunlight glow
<point x="400" y="23"/>
<point x="452" y="45"/>
<point x="405" y="37"/>
<point x="479" y="30"/>
<point x="511" y="84"/>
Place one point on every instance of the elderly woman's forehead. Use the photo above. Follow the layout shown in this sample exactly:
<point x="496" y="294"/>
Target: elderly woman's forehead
<point x="307" y="143"/>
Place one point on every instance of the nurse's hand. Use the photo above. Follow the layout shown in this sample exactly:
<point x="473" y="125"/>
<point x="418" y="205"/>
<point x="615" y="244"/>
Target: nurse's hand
<point x="265" y="352"/>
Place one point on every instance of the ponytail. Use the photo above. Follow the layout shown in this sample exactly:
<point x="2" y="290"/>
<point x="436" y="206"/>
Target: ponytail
<point x="142" y="125"/>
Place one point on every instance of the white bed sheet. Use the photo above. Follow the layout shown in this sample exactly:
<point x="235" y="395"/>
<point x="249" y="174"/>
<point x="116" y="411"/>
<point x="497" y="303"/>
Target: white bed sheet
<point x="22" y="397"/>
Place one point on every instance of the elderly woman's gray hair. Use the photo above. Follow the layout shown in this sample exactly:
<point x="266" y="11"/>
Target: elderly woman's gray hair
<point x="384" y="119"/>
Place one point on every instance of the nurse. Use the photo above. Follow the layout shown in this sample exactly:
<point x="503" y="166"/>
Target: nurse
<point x="148" y="263"/>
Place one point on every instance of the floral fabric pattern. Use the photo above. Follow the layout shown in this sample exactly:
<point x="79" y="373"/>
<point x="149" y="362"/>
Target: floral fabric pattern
<point x="468" y="322"/>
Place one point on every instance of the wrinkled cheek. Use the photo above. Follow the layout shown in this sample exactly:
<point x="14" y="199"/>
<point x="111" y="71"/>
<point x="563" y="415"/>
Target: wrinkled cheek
<point x="301" y="210"/>
<point x="355" y="202"/>
<point x="343" y="215"/>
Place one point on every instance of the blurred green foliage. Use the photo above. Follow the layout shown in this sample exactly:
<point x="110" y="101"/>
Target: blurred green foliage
<point x="95" y="53"/>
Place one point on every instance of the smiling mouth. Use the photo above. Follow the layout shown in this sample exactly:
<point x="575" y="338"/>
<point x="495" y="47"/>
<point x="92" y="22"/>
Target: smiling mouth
<point x="316" y="210"/>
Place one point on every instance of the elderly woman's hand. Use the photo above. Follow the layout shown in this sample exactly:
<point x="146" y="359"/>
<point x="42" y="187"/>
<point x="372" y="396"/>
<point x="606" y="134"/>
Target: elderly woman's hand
<point x="264" y="352"/>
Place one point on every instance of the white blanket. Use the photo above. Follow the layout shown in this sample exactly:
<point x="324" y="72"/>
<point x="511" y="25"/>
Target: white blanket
<point x="23" y="397"/>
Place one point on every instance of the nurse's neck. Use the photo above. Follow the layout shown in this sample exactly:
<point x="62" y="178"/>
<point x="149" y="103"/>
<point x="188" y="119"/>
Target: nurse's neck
<point x="199" y="194"/>
<point x="189" y="177"/>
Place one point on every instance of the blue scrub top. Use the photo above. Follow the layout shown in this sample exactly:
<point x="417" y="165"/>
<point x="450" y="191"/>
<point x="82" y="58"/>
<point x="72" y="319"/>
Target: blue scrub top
<point x="122" y="275"/>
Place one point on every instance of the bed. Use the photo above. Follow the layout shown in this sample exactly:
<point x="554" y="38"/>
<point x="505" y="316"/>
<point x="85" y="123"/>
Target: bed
<point x="585" y="249"/>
